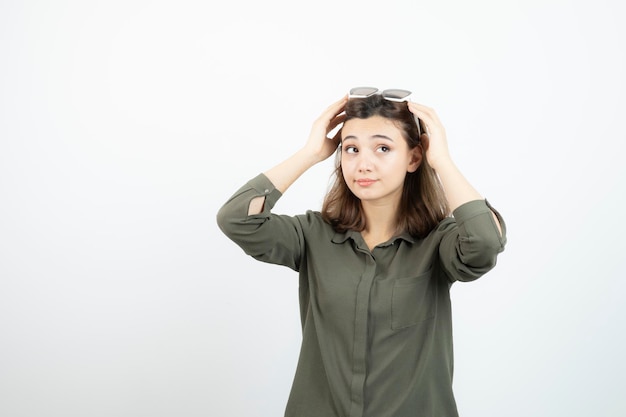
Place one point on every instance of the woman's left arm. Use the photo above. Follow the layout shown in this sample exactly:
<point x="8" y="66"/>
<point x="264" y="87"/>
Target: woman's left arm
<point x="457" y="188"/>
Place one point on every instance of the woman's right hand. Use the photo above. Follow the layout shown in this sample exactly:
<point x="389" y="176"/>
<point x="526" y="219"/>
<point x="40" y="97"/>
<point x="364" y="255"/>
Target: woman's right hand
<point x="317" y="148"/>
<point x="319" y="145"/>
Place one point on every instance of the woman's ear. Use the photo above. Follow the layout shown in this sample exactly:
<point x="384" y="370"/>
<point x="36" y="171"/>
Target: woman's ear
<point x="416" y="158"/>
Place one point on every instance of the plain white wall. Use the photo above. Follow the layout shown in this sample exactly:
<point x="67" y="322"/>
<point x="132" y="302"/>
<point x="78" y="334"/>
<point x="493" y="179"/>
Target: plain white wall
<point x="124" y="125"/>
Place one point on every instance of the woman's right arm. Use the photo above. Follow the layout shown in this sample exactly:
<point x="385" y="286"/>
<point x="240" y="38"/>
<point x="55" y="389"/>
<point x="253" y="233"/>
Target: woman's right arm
<point x="246" y="218"/>
<point x="317" y="148"/>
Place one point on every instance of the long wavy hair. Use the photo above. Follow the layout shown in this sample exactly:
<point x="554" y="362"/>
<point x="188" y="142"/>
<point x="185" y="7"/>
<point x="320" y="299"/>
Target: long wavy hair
<point x="423" y="204"/>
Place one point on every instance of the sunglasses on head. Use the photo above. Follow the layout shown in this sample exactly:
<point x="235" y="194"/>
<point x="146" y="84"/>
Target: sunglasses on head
<point x="393" y="94"/>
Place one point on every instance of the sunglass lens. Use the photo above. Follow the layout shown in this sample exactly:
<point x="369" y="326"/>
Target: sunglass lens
<point x="363" y="91"/>
<point x="397" y="95"/>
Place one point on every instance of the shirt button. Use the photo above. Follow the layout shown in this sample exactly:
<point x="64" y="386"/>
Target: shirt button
<point x="266" y="191"/>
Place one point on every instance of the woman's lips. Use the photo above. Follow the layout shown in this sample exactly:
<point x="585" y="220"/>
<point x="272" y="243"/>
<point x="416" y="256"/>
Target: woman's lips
<point x="365" y="182"/>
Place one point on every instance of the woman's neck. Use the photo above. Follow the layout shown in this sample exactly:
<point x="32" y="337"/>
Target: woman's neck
<point x="381" y="223"/>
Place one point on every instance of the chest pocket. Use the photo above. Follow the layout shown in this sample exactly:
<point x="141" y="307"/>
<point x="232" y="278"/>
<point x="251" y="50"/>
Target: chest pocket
<point x="413" y="301"/>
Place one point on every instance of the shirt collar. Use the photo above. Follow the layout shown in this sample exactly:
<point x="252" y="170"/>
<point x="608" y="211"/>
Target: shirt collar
<point x="356" y="237"/>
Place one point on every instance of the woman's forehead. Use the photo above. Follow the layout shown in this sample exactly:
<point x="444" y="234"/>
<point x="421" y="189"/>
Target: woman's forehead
<point x="375" y="125"/>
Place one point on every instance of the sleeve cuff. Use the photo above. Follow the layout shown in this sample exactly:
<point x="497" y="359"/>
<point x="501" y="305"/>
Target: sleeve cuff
<point x="476" y="208"/>
<point x="471" y="209"/>
<point x="264" y="187"/>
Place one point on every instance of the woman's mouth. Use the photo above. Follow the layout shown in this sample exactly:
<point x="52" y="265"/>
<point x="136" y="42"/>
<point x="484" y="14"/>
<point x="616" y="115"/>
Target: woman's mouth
<point x="365" y="182"/>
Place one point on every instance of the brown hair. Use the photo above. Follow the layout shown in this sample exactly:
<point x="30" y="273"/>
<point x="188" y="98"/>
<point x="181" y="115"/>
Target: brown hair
<point x="423" y="204"/>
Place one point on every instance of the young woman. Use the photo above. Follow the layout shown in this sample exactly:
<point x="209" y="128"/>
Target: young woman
<point x="399" y="226"/>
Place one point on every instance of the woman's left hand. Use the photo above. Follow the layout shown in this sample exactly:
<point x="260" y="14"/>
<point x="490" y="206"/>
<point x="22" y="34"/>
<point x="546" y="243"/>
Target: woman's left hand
<point x="434" y="139"/>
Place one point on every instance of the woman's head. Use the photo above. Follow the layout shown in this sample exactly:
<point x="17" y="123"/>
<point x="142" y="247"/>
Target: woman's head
<point x="381" y="156"/>
<point x="397" y="112"/>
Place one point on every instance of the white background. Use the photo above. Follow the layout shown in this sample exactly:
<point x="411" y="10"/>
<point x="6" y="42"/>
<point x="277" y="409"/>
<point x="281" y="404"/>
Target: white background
<point x="124" y="125"/>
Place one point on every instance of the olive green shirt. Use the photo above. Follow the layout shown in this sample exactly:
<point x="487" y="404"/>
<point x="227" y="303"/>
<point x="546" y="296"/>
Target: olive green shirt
<point x="376" y="325"/>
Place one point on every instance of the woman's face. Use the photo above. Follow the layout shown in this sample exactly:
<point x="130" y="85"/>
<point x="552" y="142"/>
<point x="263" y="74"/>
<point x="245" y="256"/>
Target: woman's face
<point x="375" y="159"/>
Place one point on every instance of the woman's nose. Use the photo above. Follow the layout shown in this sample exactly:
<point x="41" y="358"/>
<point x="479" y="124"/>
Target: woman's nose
<point x="365" y="162"/>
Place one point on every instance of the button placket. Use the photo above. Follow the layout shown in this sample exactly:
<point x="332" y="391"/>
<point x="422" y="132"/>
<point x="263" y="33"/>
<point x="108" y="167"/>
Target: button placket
<point x="359" y="354"/>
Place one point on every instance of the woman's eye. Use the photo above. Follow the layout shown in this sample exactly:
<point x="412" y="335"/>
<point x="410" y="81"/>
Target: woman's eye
<point x="384" y="149"/>
<point x="350" y="149"/>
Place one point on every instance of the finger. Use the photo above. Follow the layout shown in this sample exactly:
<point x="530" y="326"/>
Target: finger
<point x="334" y="128"/>
<point x="337" y="107"/>
<point x="334" y="116"/>
<point x="428" y="116"/>
<point x="336" y="138"/>
<point x="423" y="112"/>
<point x="337" y="120"/>
<point x="425" y="140"/>
<point x="420" y="107"/>
<point x="330" y="113"/>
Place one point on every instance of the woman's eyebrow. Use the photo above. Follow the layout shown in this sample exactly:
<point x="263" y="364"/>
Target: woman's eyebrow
<point x="381" y="137"/>
<point x="371" y="137"/>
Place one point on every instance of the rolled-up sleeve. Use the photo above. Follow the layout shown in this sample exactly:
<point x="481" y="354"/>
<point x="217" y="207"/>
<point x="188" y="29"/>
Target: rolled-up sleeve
<point x="265" y="236"/>
<point x="471" y="244"/>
